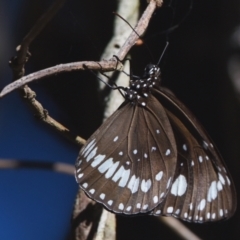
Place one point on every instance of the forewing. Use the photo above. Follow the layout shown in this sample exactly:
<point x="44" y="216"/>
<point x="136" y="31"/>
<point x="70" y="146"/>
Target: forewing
<point x="129" y="162"/>
<point x="202" y="190"/>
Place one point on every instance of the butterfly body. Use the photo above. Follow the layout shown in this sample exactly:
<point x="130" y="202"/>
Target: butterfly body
<point x="152" y="156"/>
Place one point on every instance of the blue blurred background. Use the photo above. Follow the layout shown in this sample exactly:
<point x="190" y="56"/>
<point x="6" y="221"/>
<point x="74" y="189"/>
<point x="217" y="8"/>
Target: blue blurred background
<point x="34" y="204"/>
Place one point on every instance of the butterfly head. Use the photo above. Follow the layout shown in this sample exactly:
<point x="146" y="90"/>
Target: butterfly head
<point x="152" y="71"/>
<point x="139" y="89"/>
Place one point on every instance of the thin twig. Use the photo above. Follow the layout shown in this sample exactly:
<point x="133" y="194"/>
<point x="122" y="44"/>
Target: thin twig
<point x="180" y="229"/>
<point x="55" y="167"/>
<point x="43" y="115"/>
<point x="68" y="67"/>
<point x="22" y="49"/>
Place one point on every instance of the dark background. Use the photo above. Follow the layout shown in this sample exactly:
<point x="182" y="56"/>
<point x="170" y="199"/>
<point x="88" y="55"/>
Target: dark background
<point x="37" y="204"/>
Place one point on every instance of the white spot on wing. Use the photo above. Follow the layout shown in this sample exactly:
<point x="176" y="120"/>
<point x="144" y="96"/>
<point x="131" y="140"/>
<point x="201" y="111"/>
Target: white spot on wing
<point x="212" y="191"/>
<point x="145" y="206"/>
<point x="92" y="154"/>
<point x="184" y="147"/>
<point x="85" y="185"/>
<point x="155" y="199"/>
<point x="200" y="158"/>
<point x="192" y="163"/>
<point x="191" y="206"/>
<point x="158" y="176"/>
<point x="219" y="186"/>
<point x="97" y="160"/>
<point x="80" y="175"/>
<point x="92" y="191"/>
<point x="88" y="146"/>
<point x="145" y="185"/>
<point x="108" y="165"/>
<point x="158" y="212"/>
<point x="202" y="205"/>
<point x="220" y="177"/>
<point x="123" y="174"/>
<point x="221" y="212"/>
<point x="145" y="155"/>
<point x="228" y="180"/>
<point x="115" y="139"/>
<point x="102" y="196"/>
<point x="162" y="194"/>
<point x="169" y="209"/>
<point x="121" y="206"/>
<point x="129" y="208"/>
<point x="168" y="183"/>
<point x="110" y="202"/>
<point x="79" y="163"/>
<point x="179" y="186"/>
<point x="138" y="205"/>
<point x="133" y="184"/>
<point x="168" y="152"/>
<point x="157" y="131"/>
<point x="120" y="153"/>
<point x="153" y="149"/>
<point x="135" y="151"/>
<point x="205" y="144"/>
<point x="177" y="211"/>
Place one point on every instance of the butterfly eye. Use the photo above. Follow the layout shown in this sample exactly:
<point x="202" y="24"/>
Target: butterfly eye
<point x="152" y="156"/>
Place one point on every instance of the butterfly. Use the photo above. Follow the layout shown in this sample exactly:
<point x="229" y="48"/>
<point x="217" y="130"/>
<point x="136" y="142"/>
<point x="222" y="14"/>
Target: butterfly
<point x="151" y="156"/>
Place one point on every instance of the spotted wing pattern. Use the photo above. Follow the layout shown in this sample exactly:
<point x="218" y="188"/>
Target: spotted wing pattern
<point x="202" y="189"/>
<point x="128" y="165"/>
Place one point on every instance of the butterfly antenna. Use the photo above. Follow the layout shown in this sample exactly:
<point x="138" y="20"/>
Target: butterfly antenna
<point x="164" y="50"/>
<point x="119" y="88"/>
<point x="126" y="22"/>
<point x="129" y="75"/>
<point x="135" y="32"/>
<point x="110" y="86"/>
